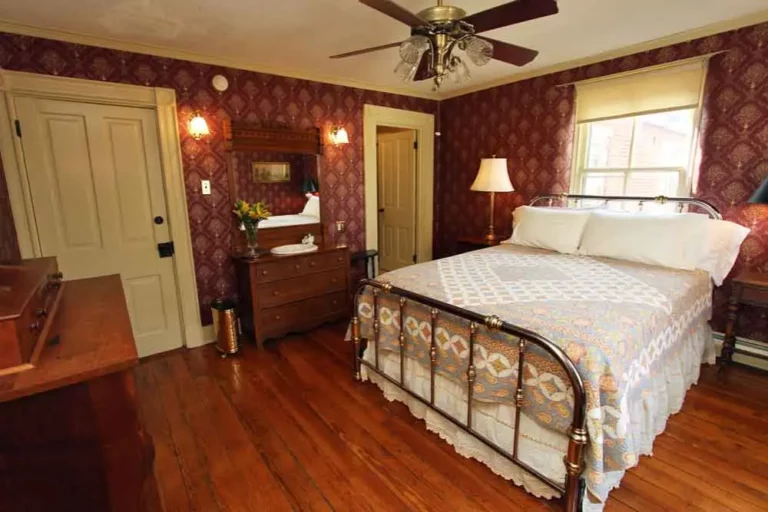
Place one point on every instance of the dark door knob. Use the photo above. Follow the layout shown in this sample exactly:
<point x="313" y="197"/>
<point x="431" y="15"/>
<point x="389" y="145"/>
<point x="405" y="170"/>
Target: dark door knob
<point x="159" y="220"/>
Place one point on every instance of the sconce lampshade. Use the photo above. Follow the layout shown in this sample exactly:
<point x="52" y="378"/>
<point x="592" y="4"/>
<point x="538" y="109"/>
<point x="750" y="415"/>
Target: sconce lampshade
<point x="198" y="128"/>
<point x="760" y="196"/>
<point x="492" y="176"/>
<point x="339" y="136"/>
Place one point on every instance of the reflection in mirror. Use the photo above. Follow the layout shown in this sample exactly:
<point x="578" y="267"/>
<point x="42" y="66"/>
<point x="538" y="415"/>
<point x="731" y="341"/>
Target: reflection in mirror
<point x="286" y="182"/>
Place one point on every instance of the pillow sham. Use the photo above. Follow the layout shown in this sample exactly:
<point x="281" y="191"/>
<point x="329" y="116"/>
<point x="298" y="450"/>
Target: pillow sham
<point x="719" y="248"/>
<point x="555" y="229"/>
<point x="669" y="240"/>
<point x="312" y="207"/>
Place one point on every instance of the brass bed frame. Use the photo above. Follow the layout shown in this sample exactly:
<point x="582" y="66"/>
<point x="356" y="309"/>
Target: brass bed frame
<point x="573" y="491"/>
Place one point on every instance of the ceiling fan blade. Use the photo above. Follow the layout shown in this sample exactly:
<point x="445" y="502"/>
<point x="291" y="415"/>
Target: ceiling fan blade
<point x="511" y="53"/>
<point x="393" y="10"/>
<point x="511" y="13"/>
<point x="366" y="50"/>
<point x="423" y="72"/>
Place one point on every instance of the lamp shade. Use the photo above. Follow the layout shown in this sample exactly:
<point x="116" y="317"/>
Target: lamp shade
<point x="760" y="196"/>
<point x="492" y="176"/>
<point x="309" y="186"/>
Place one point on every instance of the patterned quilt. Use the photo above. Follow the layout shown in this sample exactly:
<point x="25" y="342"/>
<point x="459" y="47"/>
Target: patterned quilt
<point x="617" y="321"/>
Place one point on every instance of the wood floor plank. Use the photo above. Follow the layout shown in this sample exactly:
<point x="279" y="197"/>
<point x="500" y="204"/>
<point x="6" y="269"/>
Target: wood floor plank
<point x="287" y="428"/>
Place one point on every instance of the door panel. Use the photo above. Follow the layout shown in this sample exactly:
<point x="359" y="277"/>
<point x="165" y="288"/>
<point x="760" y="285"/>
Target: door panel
<point x="96" y="185"/>
<point x="397" y="197"/>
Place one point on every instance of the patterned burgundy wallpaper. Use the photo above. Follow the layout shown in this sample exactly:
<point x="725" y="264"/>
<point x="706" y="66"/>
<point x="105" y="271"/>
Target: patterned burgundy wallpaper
<point x="252" y="97"/>
<point x="531" y="124"/>
<point x="9" y="247"/>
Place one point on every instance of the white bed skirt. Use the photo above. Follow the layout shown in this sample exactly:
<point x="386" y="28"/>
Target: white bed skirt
<point x="540" y="448"/>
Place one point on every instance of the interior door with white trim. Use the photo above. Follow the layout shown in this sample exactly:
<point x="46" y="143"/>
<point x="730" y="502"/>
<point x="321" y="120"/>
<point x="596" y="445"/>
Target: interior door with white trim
<point x="397" y="199"/>
<point x="97" y="191"/>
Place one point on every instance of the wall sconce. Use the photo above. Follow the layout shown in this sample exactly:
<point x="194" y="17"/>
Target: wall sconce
<point x="198" y="128"/>
<point x="339" y="136"/>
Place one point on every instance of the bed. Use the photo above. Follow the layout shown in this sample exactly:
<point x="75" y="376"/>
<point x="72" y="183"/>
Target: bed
<point x="309" y="215"/>
<point x="555" y="370"/>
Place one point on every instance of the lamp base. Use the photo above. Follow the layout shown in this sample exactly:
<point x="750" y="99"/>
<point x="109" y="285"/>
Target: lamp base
<point x="490" y="236"/>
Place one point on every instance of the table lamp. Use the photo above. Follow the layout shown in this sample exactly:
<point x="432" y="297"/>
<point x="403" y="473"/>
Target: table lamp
<point x="492" y="177"/>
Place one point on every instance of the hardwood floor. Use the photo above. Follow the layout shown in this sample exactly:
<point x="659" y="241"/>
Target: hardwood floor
<point x="287" y="429"/>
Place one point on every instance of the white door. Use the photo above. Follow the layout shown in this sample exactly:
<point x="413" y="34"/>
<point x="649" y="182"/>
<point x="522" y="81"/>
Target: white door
<point x="397" y="199"/>
<point x="97" y="187"/>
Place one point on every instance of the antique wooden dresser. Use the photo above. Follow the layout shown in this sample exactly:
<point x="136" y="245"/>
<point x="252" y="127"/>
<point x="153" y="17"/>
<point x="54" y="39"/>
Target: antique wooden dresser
<point x="71" y="437"/>
<point x="283" y="294"/>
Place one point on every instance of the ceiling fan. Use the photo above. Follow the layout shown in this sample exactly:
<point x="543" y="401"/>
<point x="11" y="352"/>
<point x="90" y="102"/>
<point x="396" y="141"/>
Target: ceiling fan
<point x="437" y="32"/>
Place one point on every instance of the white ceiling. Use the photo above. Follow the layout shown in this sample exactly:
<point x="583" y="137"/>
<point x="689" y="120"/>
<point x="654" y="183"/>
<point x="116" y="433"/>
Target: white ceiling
<point x="295" y="37"/>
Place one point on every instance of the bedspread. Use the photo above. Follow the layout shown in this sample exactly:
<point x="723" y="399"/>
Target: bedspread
<point x="617" y="321"/>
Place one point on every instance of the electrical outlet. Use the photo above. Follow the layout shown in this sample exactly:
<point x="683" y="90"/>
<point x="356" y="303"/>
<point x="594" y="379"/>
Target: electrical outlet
<point x="205" y="185"/>
<point x="341" y="226"/>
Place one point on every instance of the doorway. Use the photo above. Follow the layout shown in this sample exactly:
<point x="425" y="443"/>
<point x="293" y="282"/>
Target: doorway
<point x="91" y="172"/>
<point x="414" y="127"/>
<point x="397" y="192"/>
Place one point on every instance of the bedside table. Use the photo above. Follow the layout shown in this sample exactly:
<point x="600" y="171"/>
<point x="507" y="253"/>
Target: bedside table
<point x="749" y="288"/>
<point x="473" y="243"/>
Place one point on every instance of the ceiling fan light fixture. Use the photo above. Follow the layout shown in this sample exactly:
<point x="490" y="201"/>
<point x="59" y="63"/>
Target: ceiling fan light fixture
<point x="406" y="71"/>
<point x="479" y="51"/>
<point x="413" y="48"/>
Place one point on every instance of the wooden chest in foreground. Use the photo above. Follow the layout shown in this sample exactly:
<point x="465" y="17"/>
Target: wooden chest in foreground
<point x="29" y="299"/>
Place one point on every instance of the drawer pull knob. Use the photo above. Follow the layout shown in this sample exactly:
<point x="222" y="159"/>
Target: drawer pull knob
<point x="277" y="317"/>
<point x="264" y="272"/>
<point x="296" y="266"/>
<point x="275" y="292"/>
<point x="334" y="279"/>
<point x="338" y="259"/>
<point x="335" y="302"/>
<point x="312" y="263"/>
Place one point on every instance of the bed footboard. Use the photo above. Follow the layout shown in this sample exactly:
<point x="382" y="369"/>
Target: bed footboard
<point x="573" y="490"/>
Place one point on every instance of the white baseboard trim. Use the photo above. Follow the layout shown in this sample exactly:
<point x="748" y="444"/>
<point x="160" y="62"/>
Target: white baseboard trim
<point x="749" y="352"/>
<point x="209" y="335"/>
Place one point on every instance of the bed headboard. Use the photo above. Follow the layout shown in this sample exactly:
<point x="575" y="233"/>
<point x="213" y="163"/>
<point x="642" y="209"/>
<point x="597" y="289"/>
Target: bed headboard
<point x="575" y="200"/>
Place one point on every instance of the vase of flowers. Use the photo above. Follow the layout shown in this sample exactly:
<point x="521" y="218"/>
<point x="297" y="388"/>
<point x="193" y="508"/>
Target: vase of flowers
<point x="249" y="215"/>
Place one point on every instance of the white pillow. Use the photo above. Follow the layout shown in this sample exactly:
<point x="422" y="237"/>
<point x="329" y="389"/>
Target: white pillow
<point x="719" y="248"/>
<point x="669" y="240"/>
<point x="312" y="207"/>
<point x="556" y="229"/>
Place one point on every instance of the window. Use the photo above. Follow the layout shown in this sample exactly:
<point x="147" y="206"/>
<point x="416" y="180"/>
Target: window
<point x="636" y="133"/>
<point x="642" y="155"/>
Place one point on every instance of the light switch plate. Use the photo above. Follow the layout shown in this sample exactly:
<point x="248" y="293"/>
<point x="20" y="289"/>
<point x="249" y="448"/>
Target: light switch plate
<point x="205" y="185"/>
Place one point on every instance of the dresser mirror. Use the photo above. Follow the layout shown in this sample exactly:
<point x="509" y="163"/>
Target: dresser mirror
<point x="281" y="168"/>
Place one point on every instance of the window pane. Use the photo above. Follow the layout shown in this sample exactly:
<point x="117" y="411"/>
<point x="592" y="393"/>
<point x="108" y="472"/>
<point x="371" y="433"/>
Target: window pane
<point x="663" y="140"/>
<point x="609" y="143"/>
<point x="653" y="183"/>
<point x="603" y="184"/>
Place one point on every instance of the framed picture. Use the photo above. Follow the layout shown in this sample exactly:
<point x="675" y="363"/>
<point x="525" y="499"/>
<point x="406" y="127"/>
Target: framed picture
<point x="271" y="172"/>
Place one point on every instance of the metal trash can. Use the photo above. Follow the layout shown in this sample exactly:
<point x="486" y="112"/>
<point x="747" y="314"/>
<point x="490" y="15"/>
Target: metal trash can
<point x="225" y="326"/>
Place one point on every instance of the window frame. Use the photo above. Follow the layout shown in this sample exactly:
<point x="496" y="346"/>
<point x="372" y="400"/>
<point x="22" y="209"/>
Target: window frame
<point x="686" y="182"/>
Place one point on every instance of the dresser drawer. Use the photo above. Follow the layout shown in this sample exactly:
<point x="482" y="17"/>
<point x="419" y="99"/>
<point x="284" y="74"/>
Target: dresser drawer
<point x="301" y="287"/>
<point x="324" y="261"/>
<point x="304" y="313"/>
<point x="280" y="269"/>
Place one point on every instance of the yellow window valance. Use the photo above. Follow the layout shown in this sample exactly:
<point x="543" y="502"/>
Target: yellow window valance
<point x="670" y="87"/>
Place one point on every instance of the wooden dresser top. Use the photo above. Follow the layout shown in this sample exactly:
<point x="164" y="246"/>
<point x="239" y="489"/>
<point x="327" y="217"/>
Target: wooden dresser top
<point x="96" y="339"/>
<point x="269" y="257"/>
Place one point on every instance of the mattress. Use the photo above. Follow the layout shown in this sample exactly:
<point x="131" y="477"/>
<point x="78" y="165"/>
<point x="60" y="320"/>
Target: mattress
<point x="636" y="333"/>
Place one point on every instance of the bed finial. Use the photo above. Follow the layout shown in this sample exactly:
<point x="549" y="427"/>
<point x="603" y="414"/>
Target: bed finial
<point x="493" y="322"/>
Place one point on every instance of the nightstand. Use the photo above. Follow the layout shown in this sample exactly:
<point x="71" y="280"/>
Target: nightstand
<point x="749" y="288"/>
<point x="472" y="243"/>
